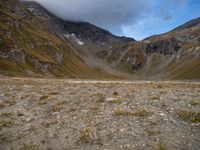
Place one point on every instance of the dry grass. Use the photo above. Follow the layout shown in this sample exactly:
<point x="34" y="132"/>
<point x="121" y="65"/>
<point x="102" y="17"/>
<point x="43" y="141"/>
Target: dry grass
<point x="115" y="93"/>
<point x="86" y="136"/>
<point x="155" y="97"/>
<point x="123" y="112"/>
<point x="4" y="138"/>
<point x="160" y="86"/>
<point x="188" y="115"/>
<point x="54" y="93"/>
<point x="5" y="124"/>
<point x="101" y="97"/>
<point x="163" y="104"/>
<point x="142" y="112"/>
<point x="7" y="114"/>
<point x="161" y="146"/>
<point x="30" y="147"/>
<point x="94" y="109"/>
<point x="59" y="106"/>
<point x="116" y="101"/>
<point x="71" y="109"/>
<point x="43" y="100"/>
<point x="2" y="105"/>
<point x="153" y="132"/>
<point x="10" y="102"/>
<point x="195" y="102"/>
<point x="7" y="94"/>
<point x="43" y="97"/>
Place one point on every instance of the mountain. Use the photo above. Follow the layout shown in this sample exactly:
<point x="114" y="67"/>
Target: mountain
<point x="173" y="55"/>
<point x="34" y="42"/>
<point x="85" y="38"/>
<point x="189" y="24"/>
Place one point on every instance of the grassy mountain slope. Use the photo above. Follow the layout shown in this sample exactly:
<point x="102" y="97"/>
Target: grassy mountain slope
<point x="33" y="42"/>
<point x="174" y="55"/>
<point x="28" y="47"/>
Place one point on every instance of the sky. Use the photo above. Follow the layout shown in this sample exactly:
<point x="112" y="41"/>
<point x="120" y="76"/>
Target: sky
<point x="133" y="18"/>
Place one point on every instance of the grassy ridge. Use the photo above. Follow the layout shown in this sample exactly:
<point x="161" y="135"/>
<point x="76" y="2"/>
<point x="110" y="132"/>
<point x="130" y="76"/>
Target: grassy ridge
<point x="33" y="49"/>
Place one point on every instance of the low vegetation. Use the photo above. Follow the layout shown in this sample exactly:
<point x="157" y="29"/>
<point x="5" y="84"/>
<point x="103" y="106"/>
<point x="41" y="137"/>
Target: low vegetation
<point x="140" y="112"/>
<point x="30" y="147"/>
<point x="2" y="105"/>
<point x="43" y="100"/>
<point x="116" y="101"/>
<point x="115" y="93"/>
<point x="101" y="97"/>
<point x="188" y="115"/>
<point x="155" y="97"/>
<point x="152" y="132"/>
<point x="161" y="146"/>
<point x="6" y="114"/>
<point x="195" y="102"/>
<point x="123" y="112"/>
<point x="86" y="136"/>
<point x="86" y="116"/>
<point x="5" y="124"/>
<point x="10" y="102"/>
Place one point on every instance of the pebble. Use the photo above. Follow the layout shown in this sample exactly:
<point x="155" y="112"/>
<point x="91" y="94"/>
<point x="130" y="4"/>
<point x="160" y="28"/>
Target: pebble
<point x="110" y="99"/>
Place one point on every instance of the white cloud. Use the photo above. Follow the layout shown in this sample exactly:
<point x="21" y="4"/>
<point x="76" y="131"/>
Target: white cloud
<point x="109" y="14"/>
<point x="134" y="18"/>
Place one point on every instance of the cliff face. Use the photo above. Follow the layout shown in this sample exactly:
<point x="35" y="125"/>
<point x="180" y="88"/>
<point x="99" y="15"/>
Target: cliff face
<point x="32" y="44"/>
<point x="174" y="55"/>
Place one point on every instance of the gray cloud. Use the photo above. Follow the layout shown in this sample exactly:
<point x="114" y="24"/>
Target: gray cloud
<point x="168" y="6"/>
<point x="167" y="18"/>
<point x="109" y="14"/>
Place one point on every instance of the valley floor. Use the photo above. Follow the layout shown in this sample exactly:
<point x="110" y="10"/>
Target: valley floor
<point x="109" y="115"/>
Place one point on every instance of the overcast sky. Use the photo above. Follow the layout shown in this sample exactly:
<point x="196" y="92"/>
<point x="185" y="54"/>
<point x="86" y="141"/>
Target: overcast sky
<point x="134" y="18"/>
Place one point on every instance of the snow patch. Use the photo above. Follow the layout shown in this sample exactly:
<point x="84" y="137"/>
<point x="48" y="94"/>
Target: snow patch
<point x="78" y="41"/>
<point x="73" y="37"/>
<point x="31" y="9"/>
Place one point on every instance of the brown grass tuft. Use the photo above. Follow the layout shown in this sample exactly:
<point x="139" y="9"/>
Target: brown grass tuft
<point x="123" y="112"/>
<point x="5" y="124"/>
<point x="2" y="105"/>
<point x="101" y="97"/>
<point x="142" y="112"/>
<point x="86" y="136"/>
<point x="188" y="115"/>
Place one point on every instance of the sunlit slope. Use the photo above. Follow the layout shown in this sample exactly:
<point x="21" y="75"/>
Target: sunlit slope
<point x="28" y="47"/>
<point x="173" y="55"/>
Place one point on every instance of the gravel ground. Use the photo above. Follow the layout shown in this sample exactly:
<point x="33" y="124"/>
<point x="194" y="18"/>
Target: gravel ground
<point x="105" y="115"/>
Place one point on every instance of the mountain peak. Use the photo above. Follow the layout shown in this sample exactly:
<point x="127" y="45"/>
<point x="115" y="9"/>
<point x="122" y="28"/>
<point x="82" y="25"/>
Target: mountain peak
<point x="190" y="24"/>
<point x="35" y="42"/>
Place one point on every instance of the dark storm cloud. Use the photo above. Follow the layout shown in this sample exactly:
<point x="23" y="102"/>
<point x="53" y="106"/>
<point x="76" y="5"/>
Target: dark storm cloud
<point x="109" y="14"/>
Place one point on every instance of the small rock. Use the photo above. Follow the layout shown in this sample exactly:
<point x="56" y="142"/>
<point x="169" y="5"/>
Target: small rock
<point x="29" y="119"/>
<point x="55" y="113"/>
<point x="110" y="99"/>
<point x="162" y="114"/>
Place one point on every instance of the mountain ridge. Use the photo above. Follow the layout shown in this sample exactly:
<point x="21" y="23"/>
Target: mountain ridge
<point x="29" y="47"/>
<point x="172" y="55"/>
<point x="85" y="50"/>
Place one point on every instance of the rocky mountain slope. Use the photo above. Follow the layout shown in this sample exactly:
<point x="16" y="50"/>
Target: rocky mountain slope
<point x="85" y="38"/>
<point x="33" y="42"/>
<point x="174" y="55"/>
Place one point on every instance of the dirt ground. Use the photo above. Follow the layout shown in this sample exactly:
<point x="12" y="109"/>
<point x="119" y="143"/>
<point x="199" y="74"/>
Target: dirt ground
<point x="105" y="115"/>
